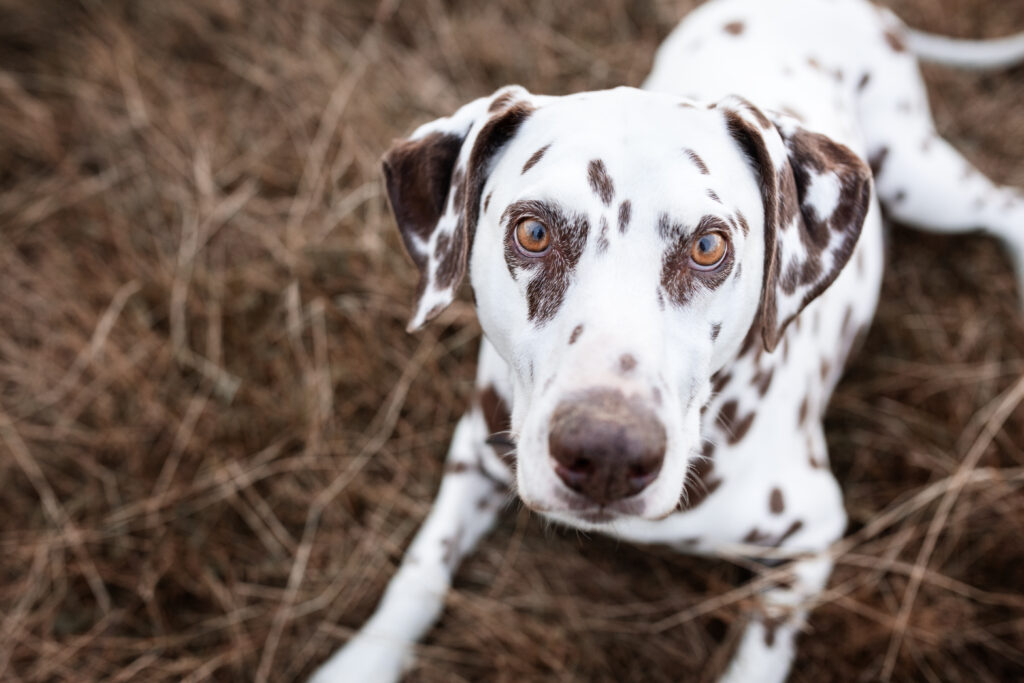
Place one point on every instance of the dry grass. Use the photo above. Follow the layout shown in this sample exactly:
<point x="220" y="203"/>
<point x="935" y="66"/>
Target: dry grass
<point x="216" y="439"/>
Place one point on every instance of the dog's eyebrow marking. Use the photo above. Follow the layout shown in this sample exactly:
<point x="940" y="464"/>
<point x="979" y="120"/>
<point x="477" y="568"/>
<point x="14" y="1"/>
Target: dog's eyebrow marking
<point x="734" y="28"/>
<point x="698" y="162"/>
<point x="625" y="211"/>
<point x="627" y="362"/>
<point x="534" y="158"/>
<point x="776" y="503"/>
<point x="600" y="182"/>
<point x="576" y="332"/>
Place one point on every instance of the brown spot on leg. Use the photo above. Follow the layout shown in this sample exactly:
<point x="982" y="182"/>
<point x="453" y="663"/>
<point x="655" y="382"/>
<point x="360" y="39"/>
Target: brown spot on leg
<point x="775" y="501"/>
<point x="793" y="528"/>
<point x="576" y="332"/>
<point x="600" y="182"/>
<point x="771" y="625"/>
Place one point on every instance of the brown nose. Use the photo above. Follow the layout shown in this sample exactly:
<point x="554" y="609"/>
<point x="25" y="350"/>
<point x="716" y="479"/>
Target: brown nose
<point x="606" y="446"/>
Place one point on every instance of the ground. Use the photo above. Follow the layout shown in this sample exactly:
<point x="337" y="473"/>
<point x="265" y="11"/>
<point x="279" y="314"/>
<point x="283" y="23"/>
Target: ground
<point x="216" y="439"/>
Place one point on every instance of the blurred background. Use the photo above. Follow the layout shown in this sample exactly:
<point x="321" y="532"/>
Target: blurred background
<point x="216" y="439"/>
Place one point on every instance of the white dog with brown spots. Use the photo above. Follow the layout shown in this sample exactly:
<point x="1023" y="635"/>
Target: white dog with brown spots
<point x="669" y="281"/>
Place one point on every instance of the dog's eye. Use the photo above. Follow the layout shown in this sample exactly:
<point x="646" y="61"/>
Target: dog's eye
<point x="533" y="236"/>
<point x="708" y="251"/>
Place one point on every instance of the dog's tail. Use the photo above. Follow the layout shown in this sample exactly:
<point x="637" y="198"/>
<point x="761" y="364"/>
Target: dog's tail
<point x="967" y="54"/>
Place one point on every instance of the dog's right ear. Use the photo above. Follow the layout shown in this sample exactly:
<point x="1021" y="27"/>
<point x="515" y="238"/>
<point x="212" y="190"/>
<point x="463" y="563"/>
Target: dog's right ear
<point x="434" y="180"/>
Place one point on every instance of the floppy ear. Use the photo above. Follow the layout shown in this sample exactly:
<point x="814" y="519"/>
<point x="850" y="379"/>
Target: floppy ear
<point x="816" y="194"/>
<point x="434" y="181"/>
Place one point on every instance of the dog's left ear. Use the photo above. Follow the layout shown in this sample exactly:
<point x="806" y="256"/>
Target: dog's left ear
<point x="816" y="194"/>
<point x="434" y="181"/>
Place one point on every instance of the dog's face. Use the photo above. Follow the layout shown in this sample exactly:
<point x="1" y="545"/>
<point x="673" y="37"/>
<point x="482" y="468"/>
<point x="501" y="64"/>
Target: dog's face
<point x="621" y="247"/>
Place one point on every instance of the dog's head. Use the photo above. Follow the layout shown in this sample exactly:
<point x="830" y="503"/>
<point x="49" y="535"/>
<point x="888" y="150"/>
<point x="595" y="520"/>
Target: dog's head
<point x="620" y="246"/>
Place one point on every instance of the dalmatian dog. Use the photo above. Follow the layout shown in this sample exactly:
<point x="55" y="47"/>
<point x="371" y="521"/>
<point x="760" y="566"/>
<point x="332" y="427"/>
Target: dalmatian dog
<point x="669" y="281"/>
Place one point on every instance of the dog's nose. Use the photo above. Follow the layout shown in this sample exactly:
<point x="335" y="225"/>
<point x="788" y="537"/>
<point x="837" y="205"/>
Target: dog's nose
<point x="606" y="446"/>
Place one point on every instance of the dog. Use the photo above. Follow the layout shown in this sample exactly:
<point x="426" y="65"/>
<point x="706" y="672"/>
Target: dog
<point x="669" y="281"/>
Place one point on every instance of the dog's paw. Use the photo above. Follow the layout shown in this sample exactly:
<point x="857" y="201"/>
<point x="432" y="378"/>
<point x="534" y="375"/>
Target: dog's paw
<point x="366" y="659"/>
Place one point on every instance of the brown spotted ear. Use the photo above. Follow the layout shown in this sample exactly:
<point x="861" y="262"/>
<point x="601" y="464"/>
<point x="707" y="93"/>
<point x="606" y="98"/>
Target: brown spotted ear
<point x="816" y="194"/>
<point x="434" y="180"/>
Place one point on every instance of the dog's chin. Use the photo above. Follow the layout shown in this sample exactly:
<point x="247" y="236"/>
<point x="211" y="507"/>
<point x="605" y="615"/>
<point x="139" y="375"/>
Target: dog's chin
<point x="569" y="508"/>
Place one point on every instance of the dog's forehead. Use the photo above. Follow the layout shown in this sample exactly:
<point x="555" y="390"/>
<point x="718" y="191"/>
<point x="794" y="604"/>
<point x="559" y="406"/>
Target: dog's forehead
<point x="626" y="144"/>
<point x="630" y="128"/>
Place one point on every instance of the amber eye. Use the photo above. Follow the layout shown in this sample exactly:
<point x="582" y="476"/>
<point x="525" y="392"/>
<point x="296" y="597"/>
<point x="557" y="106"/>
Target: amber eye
<point x="708" y="251"/>
<point x="532" y="236"/>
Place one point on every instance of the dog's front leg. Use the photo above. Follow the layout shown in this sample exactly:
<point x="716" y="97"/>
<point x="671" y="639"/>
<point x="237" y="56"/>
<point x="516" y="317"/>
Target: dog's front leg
<point x="472" y="491"/>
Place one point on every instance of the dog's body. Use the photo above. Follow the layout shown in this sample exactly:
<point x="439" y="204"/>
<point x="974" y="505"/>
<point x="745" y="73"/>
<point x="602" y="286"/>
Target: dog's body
<point x="610" y="326"/>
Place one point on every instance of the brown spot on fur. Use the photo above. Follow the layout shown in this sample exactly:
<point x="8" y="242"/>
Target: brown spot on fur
<point x="576" y="332"/>
<point x="720" y="380"/>
<point x="877" y="160"/>
<point x="487" y="201"/>
<point x="602" y="237"/>
<point x="863" y="82"/>
<point x="734" y="28"/>
<point x="496" y="414"/>
<point x="627" y="362"/>
<point x="457" y="467"/>
<point x="793" y="528"/>
<point x="697" y="161"/>
<point x="804" y="407"/>
<point x="826" y="369"/>
<point x="600" y="182"/>
<point x="763" y="380"/>
<point x="625" y="212"/>
<point x="756" y="537"/>
<point x="699" y="484"/>
<point x="775" y="501"/>
<point x="534" y="158"/>
<point x="771" y="625"/>
<point x="714" y="195"/>
<point x="895" y="40"/>
<point x="715" y="329"/>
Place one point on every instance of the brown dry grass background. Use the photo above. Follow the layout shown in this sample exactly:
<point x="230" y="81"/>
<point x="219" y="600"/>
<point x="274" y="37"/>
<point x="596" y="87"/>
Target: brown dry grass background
<point x="216" y="439"/>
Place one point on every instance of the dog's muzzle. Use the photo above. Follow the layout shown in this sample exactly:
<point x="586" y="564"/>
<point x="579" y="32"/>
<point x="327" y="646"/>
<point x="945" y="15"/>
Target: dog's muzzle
<point x="606" y="446"/>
